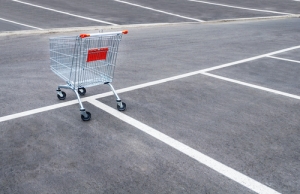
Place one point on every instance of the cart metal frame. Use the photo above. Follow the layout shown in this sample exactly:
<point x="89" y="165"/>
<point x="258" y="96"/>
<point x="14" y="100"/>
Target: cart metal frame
<point x="84" y="61"/>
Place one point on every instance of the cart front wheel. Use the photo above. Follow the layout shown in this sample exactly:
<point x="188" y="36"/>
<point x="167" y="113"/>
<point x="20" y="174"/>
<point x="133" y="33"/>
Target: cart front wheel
<point x="123" y="107"/>
<point x="89" y="116"/>
<point x="81" y="91"/>
<point x="63" y="96"/>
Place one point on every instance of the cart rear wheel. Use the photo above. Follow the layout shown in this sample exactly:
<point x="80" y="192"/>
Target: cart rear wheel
<point x="89" y="116"/>
<point x="81" y="91"/>
<point x="62" y="97"/>
<point x="123" y="108"/>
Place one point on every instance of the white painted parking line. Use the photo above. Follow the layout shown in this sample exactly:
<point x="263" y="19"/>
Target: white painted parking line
<point x="250" y="59"/>
<point x="160" y="11"/>
<point x="253" y="86"/>
<point x="198" y="156"/>
<point x="66" y="13"/>
<point x="258" y="18"/>
<point x="20" y="24"/>
<point x="203" y="72"/>
<point x="51" y="107"/>
<point x="244" y="8"/>
<point x="284" y="59"/>
<point x="38" y="110"/>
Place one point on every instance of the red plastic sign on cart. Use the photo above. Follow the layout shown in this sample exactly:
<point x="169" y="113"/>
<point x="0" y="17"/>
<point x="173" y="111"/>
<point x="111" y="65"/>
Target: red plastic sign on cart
<point x="96" y="54"/>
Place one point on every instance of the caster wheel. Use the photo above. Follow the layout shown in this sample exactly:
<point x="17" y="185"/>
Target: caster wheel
<point x="123" y="108"/>
<point x="81" y="91"/>
<point x="86" y="118"/>
<point x="62" y="97"/>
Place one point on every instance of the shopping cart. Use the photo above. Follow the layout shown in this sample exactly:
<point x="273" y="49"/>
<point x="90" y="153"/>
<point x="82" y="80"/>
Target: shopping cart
<point x="84" y="61"/>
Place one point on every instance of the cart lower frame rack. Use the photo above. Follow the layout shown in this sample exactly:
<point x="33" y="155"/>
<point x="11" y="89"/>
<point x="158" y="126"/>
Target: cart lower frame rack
<point x="84" y="61"/>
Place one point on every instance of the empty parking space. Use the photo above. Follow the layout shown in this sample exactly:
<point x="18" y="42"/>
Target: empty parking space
<point x="41" y="18"/>
<point x="252" y="126"/>
<point x="90" y="13"/>
<point x="56" y="14"/>
<point x="198" y="11"/>
<point x="105" y="155"/>
<point x="267" y="72"/>
<point x="288" y="6"/>
<point x="292" y="56"/>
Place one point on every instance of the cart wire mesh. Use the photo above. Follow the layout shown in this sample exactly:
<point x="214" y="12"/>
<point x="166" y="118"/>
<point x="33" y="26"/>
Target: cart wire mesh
<point x="85" y="62"/>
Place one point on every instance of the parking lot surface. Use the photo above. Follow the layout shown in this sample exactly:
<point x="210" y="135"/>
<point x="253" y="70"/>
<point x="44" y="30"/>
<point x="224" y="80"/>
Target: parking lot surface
<point x="212" y="107"/>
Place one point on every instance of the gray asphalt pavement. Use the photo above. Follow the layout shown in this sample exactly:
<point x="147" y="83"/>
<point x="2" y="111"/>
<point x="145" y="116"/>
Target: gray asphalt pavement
<point x="186" y="129"/>
<point x="252" y="131"/>
<point x="57" y="14"/>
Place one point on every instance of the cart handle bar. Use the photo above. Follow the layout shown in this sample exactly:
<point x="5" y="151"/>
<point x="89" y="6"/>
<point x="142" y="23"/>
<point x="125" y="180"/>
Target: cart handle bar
<point x="108" y="33"/>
